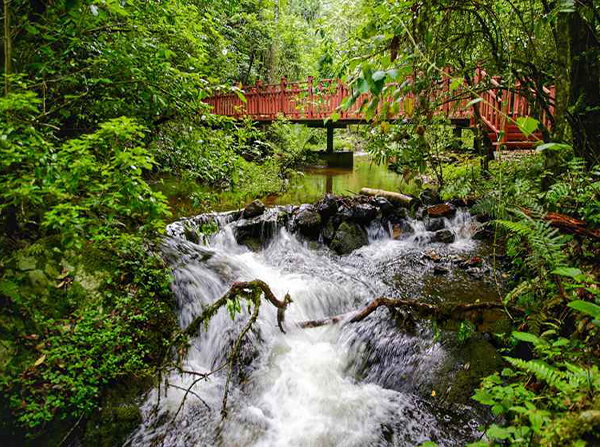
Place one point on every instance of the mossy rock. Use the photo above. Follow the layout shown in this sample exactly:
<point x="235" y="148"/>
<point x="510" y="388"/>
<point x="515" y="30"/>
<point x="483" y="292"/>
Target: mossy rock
<point x="348" y="237"/>
<point x="111" y="426"/>
<point x="456" y="381"/>
<point x="118" y="416"/>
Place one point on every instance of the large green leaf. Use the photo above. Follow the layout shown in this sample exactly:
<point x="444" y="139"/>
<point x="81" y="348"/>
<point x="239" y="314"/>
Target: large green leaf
<point x="529" y="338"/>
<point x="586" y="307"/>
<point x="527" y="125"/>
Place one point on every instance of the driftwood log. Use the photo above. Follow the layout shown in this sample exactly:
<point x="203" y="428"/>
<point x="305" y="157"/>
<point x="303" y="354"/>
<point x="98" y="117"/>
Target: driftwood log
<point x="394" y="197"/>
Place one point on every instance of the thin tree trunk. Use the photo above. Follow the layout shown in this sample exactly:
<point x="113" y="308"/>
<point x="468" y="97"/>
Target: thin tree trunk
<point x="584" y="98"/>
<point x="7" y="47"/>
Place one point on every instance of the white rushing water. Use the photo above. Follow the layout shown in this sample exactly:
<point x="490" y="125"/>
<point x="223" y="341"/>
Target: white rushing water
<point x="306" y="387"/>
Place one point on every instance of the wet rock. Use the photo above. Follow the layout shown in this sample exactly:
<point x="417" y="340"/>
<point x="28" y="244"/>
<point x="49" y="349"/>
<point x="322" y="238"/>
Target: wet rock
<point x="482" y="360"/>
<point x="384" y="205"/>
<point x="345" y="213"/>
<point x="348" y="237"/>
<point x="475" y="272"/>
<point x="429" y="197"/>
<point x="397" y="216"/>
<point x="432" y="256"/>
<point x="462" y="202"/>
<point x="261" y="228"/>
<point x="440" y="270"/>
<point x="434" y="224"/>
<point x="308" y="221"/>
<point x="328" y="232"/>
<point x="254" y="209"/>
<point x="364" y="213"/>
<point x="442" y="210"/>
<point x="327" y="207"/>
<point x="445" y="236"/>
<point x="397" y="231"/>
<point x="482" y="234"/>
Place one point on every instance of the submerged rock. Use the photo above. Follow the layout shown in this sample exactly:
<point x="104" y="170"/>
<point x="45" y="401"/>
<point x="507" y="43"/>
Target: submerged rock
<point x="445" y="236"/>
<point x="442" y="210"/>
<point x="348" y="237"/>
<point x="260" y="228"/>
<point x="254" y="209"/>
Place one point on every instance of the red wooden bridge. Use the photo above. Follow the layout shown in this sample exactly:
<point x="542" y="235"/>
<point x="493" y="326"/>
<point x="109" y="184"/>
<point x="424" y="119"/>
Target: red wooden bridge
<point x="314" y="103"/>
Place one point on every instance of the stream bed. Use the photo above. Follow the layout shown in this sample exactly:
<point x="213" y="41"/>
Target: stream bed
<point x="371" y="383"/>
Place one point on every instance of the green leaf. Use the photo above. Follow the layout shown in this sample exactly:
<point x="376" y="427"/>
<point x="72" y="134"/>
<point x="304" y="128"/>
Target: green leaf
<point x="569" y="272"/>
<point x="335" y="117"/>
<point x="527" y="125"/>
<point x="362" y="86"/>
<point x="32" y="30"/>
<point x="393" y="74"/>
<point x="497" y="432"/>
<point x="456" y="83"/>
<point x="586" y="307"/>
<point x="552" y="146"/>
<point x="378" y="75"/>
<point x="473" y="102"/>
<point x="529" y="338"/>
<point x="241" y="95"/>
<point x="567" y="6"/>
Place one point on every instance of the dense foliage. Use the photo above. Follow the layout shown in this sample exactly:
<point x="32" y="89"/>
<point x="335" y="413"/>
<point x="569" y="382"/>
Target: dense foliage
<point x="103" y="100"/>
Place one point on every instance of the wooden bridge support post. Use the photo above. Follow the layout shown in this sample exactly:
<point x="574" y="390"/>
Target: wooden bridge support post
<point x="329" y="139"/>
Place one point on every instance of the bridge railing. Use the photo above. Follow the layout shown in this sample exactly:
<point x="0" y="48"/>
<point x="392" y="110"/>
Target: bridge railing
<point x="314" y="101"/>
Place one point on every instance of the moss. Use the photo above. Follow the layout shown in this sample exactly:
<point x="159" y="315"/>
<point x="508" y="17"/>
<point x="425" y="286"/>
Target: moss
<point x="574" y="426"/>
<point x="118" y="416"/>
<point x="472" y="360"/>
<point x="479" y="359"/>
<point x="112" y="426"/>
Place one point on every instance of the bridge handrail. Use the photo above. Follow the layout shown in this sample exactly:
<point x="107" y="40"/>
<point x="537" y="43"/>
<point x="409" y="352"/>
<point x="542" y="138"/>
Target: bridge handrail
<point x="317" y="100"/>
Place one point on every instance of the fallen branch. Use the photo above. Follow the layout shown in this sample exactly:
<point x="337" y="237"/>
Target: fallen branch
<point x="439" y="312"/>
<point x="252" y="291"/>
<point x="569" y="224"/>
<point x="246" y="290"/>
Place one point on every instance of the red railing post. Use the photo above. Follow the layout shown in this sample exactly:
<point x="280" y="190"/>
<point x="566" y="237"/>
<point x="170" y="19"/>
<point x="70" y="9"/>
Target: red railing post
<point x="282" y="94"/>
<point x="309" y="94"/>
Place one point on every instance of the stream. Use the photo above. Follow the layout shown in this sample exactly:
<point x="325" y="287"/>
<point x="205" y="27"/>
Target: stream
<point x="361" y="384"/>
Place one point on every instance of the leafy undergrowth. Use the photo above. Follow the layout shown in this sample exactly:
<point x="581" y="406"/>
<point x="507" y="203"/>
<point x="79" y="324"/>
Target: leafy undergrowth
<point x="548" y="393"/>
<point x="85" y="302"/>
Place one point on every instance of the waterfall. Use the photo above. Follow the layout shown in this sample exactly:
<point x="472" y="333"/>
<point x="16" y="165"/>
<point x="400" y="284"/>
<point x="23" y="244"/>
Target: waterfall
<point x="341" y="385"/>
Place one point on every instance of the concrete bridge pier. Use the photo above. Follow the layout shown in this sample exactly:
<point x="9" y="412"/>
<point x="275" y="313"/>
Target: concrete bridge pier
<point x="329" y="139"/>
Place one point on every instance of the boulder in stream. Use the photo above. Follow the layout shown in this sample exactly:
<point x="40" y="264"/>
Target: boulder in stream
<point x="254" y="209"/>
<point x="384" y="205"/>
<point x="434" y="224"/>
<point x="364" y="213"/>
<point x="442" y="210"/>
<point x="348" y="237"/>
<point x="308" y="221"/>
<point x="445" y="236"/>
<point x="327" y="207"/>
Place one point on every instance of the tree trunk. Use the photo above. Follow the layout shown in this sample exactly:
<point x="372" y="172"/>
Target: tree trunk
<point x="584" y="100"/>
<point x="7" y="47"/>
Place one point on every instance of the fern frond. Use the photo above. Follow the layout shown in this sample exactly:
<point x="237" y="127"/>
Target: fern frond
<point x="542" y="371"/>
